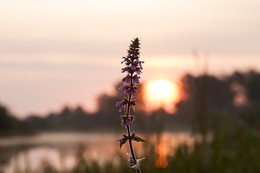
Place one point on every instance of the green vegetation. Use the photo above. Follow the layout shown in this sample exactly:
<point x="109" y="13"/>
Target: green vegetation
<point x="234" y="148"/>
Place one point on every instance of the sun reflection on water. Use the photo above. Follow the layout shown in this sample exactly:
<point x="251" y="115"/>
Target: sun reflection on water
<point x="162" y="151"/>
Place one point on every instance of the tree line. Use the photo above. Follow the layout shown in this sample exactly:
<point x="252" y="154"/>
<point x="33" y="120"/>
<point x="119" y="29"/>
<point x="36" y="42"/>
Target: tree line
<point x="206" y="101"/>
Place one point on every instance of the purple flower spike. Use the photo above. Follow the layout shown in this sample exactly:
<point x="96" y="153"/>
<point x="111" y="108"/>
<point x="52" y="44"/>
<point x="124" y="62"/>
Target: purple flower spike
<point x="133" y="68"/>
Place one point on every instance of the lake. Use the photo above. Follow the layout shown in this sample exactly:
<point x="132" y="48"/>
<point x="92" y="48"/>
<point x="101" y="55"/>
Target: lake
<point x="61" y="149"/>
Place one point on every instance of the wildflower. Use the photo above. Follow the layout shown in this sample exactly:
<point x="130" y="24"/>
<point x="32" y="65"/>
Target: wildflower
<point x="133" y="68"/>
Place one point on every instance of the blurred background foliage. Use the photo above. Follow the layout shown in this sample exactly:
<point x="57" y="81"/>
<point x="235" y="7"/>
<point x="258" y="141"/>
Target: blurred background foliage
<point x="223" y="114"/>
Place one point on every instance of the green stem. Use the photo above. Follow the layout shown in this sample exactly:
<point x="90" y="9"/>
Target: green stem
<point x="129" y="129"/>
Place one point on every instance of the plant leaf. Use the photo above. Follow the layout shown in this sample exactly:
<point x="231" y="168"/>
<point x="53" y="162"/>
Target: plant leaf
<point x="123" y="140"/>
<point x="137" y="138"/>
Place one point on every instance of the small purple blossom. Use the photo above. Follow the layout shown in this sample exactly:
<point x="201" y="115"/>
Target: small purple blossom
<point x="128" y="89"/>
<point x="127" y="79"/>
<point x="121" y="105"/>
<point x="120" y="140"/>
<point x="135" y="79"/>
<point x="134" y="67"/>
<point x="131" y="161"/>
<point x="126" y="121"/>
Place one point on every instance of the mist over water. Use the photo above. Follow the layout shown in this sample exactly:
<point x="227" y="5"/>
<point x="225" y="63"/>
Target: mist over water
<point x="61" y="149"/>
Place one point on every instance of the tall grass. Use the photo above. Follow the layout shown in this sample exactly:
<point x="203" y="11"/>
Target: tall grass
<point x="234" y="148"/>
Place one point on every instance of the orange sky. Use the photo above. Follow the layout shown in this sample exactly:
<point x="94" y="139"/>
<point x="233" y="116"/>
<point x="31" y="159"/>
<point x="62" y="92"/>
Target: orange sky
<point x="58" y="52"/>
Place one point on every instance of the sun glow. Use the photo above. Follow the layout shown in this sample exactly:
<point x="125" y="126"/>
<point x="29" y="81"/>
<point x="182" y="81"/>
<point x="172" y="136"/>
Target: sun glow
<point x="161" y="94"/>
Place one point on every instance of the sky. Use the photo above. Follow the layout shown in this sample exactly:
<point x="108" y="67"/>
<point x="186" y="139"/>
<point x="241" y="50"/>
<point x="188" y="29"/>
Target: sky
<point x="68" y="52"/>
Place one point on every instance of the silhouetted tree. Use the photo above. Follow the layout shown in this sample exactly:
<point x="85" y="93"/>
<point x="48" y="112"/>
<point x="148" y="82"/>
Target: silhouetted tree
<point x="205" y="98"/>
<point x="253" y="87"/>
<point x="9" y="125"/>
<point x="250" y="81"/>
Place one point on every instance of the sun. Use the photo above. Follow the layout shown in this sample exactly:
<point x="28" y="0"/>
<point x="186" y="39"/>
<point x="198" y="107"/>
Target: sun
<point x="160" y="89"/>
<point x="161" y="94"/>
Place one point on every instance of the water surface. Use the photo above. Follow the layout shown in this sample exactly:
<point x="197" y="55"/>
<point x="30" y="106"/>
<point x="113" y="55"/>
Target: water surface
<point x="61" y="149"/>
